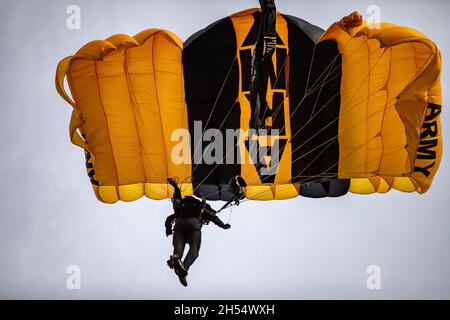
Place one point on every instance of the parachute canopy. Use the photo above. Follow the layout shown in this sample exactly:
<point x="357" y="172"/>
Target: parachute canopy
<point x="354" y="108"/>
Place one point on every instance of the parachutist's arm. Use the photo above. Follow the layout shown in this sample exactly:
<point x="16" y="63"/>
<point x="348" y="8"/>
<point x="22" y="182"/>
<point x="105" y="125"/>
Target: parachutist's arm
<point x="176" y="199"/>
<point x="177" y="193"/>
<point x="210" y="215"/>
<point x="168" y="223"/>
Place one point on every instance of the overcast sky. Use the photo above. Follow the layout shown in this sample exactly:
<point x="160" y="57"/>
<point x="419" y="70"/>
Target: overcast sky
<point x="299" y="248"/>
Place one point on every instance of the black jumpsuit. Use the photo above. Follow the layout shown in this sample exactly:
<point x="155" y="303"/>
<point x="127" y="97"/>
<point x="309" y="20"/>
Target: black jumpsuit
<point x="190" y="215"/>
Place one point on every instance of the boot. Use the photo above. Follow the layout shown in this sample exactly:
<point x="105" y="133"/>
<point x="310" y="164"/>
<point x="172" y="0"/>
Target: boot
<point x="183" y="281"/>
<point x="176" y="264"/>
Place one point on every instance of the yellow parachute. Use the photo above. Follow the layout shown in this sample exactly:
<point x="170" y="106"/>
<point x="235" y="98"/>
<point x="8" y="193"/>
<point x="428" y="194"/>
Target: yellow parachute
<point x="353" y="108"/>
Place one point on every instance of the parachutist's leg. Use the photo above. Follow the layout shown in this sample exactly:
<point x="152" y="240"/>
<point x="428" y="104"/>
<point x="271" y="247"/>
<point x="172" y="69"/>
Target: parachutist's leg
<point x="178" y="243"/>
<point x="195" y="242"/>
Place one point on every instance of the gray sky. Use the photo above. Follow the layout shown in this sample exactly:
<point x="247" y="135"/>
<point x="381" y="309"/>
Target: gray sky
<point x="299" y="248"/>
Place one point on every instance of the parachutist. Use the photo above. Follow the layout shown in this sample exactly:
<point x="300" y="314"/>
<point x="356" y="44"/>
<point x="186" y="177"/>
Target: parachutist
<point x="190" y="214"/>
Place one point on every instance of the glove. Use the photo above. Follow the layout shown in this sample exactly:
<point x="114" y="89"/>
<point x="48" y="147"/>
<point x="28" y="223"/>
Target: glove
<point x="227" y="226"/>
<point x="168" y="232"/>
